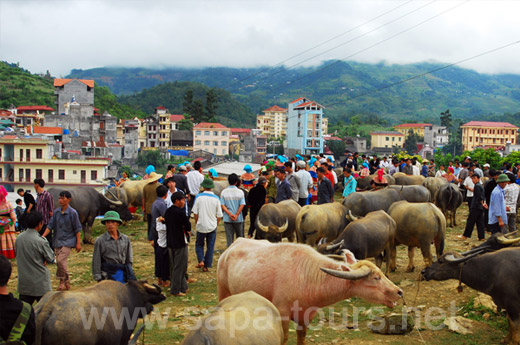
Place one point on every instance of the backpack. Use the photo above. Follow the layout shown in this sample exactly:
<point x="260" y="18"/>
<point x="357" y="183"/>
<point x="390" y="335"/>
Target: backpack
<point x="15" y="337"/>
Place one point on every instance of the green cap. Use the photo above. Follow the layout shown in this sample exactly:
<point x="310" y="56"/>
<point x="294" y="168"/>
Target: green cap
<point x="113" y="215"/>
<point x="502" y="178"/>
<point x="207" y="183"/>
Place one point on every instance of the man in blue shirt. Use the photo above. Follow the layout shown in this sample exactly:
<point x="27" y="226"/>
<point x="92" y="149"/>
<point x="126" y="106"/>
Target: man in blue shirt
<point x="66" y="229"/>
<point x="284" y="191"/>
<point x="424" y="169"/>
<point x="350" y="182"/>
<point x="497" y="206"/>
<point x="233" y="201"/>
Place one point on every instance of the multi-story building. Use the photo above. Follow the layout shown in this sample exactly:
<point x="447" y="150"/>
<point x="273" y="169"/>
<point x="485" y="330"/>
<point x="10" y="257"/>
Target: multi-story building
<point x="487" y="134"/>
<point x="386" y="139"/>
<point x="304" y="127"/>
<point x="30" y="115"/>
<point x="273" y="122"/>
<point x="211" y="137"/>
<point x="23" y="160"/>
<point x="73" y="90"/>
<point x="436" y="136"/>
<point x="417" y="128"/>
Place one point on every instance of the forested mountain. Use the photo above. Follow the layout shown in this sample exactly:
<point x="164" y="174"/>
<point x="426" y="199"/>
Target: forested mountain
<point x="344" y="88"/>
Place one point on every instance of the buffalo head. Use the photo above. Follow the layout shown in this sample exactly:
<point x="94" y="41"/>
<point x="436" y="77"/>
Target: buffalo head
<point x="271" y="232"/>
<point x="448" y="266"/>
<point x="148" y="294"/>
<point x="118" y="206"/>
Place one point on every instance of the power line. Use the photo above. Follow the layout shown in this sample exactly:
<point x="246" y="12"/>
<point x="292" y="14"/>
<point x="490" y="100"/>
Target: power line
<point x="426" y="73"/>
<point x="317" y="45"/>
<point x="353" y="39"/>
<point x="371" y="46"/>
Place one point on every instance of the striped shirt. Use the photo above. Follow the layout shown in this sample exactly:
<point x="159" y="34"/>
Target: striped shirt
<point x="232" y="198"/>
<point x="45" y="205"/>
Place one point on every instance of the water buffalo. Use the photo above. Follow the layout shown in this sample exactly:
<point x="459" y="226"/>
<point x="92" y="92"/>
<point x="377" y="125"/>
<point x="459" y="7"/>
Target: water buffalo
<point x="418" y="225"/>
<point x="89" y="204"/>
<point x="366" y="237"/>
<point x="363" y="183"/>
<point x="220" y="186"/>
<point x="245" y="318"/>
<point x="491" y="273"/>
<point x="74" y="317"/>
<point x="131" y="190"/>
<point x="315" y="222"/>
<point x="408" y="180"/>
<point x="433" y="184"/>
<point x="496" y="242"/>
<point x="360" y="204"/>
<point x="414" y="193"/>
<point x="276" y="221"/>
<point x="448" y="198"/>
<point x="288" y="274"/>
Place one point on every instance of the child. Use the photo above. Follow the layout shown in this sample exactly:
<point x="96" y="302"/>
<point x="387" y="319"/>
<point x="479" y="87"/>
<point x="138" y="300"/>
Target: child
<point x="18" y="211"/>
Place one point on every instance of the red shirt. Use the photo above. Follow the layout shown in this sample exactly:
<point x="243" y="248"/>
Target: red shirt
<point x="330" y="177"/>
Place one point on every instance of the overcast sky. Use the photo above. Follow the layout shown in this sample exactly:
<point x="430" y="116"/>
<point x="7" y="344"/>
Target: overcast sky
<point x="61" y="35"/>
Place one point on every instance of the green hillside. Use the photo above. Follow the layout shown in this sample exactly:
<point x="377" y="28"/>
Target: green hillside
<point x="20" y="87"/>
<point x="344" y="88"/>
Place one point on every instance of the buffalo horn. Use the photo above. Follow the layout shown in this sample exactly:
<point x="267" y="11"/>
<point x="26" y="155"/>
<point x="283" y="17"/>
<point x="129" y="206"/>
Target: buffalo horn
<point x="336" y="257"/>
<point x="451" y="258"/>
<point x="109" y="191"/>
<point x="261" y="226"/>
<point x="351" y="216"/>
<point x="117" y="203"/>
<point x="335" y="246"/>
<point x="478" y="250"/>
<point x="285" y="226"/>
<point x="360" y="273"/>
<point x="510" y="238"/>
<point x="150" y="287"/>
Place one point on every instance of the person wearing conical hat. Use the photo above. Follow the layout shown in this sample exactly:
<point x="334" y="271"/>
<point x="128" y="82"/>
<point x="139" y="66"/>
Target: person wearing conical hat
<point x="149" y="196"/>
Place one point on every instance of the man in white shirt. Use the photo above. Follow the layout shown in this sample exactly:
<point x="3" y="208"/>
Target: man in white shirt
<point x="305" y="183"/>
<point x="207" y="211"/>
<point x="511" y="196"/>
<point x="194" y="178"/>
<point x="469" y="186"/>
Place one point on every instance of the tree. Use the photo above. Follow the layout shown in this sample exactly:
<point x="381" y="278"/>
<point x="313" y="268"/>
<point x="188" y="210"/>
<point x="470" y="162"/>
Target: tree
<point x="185" y="124"/>
<point x="410" y="143"/>
<point x="150" y="157"/>
<point x="187" y="104"/>
<point x="211" y="105"/>
<point x="446" y="119"/>
<point x="337" y="147"/>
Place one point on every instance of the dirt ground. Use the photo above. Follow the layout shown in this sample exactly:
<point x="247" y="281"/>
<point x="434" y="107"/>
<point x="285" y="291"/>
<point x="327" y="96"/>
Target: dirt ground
<point x="428" y="302"/>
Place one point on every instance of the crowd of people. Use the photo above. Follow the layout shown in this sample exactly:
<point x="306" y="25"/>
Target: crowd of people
<point x="49" y="235"/>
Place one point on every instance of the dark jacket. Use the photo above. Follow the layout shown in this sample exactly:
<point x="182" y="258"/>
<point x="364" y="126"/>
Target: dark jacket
<point x="325" y="191"/>
<point x="177" y="227"/>
<point x="256" y="198"/>
<point x="478" y="197"/>
<point x="10" y="308"/>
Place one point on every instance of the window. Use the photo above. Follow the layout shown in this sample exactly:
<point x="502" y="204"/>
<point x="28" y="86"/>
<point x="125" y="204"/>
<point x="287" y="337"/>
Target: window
<point x="83" y="176"/>
<point x="224" y="143"/>
<point x="21" y="155"/>
<point x="39" y="173"/>
<point x="51" y="176"/>
<point x="400" y="138"/>
<point x="206" y="142"/>
<point x="93" y="175"/>
<point x="206" y="133"/>
<point x="223" y="151"/>
<point x="28" y="155"/>
<point x="61" y="174"/>
<point x="215" y="133"/>
<point x="224" y="133"/>
<point x="198" y="132"/>
<point x="197" y="142"/>
<point x="20" y="175"/>
<point x="470" y="139"/>
<point x="27" y="175"/>
<point x="387" y="138"/>
<point x="215" y="151"/>
<point x="215" y="143"/>
<point x="393" y="138"/>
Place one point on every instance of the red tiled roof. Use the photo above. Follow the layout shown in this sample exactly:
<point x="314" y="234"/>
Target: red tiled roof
<point x="297" y="99"/>
<point x="210" y="125"/>
<point x="34" y="108"/>
<point x="4" y="112"/>
<point x="489" y="124"/>
<point x="176" y="118"/>
<point x="160" y="108"/>
<point x="275" y="108"/>
<point x="240" y="130"/>
<point x="9" y="137"/>
<point x="61" y="82"/>
<point x="413" y="125"/>
<point x="47" y="130"/>
<point x="307" y="104"/>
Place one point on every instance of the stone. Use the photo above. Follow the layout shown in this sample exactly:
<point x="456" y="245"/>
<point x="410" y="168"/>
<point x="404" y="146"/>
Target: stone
<point x="392" y="324"/>
<point x="484" y="301"/>
<point x="459" y="324"/>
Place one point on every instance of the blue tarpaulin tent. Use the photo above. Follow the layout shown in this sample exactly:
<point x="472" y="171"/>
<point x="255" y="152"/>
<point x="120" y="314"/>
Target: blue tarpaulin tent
<point x="178" y="153"/>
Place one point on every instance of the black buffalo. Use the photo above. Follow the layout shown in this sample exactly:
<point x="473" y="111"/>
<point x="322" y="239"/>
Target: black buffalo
<point x="62" y="317"/>
<point x="448" y="198"/>
<point x="360" y="204"/>
<point x="89" y="204"/>
<point x="491" y="273"/>
<point x="366" y="237"/>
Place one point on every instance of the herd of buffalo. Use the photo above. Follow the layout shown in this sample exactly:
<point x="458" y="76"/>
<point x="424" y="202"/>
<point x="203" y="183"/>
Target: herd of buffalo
<point x="327" y="263"/>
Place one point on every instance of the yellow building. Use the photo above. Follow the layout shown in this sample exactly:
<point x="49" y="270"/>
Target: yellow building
<point x="324" y="126"/>
<point x="487" y="134"/>
<point x="23" y="160"/>
<point x="387" y="139"/>
<point x="211" y="137"/>
<point x="274" y="121"/>
<point x="417" y="128"/>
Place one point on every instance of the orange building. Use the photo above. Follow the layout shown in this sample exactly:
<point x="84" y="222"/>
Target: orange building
<point x="487" y="134"/>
